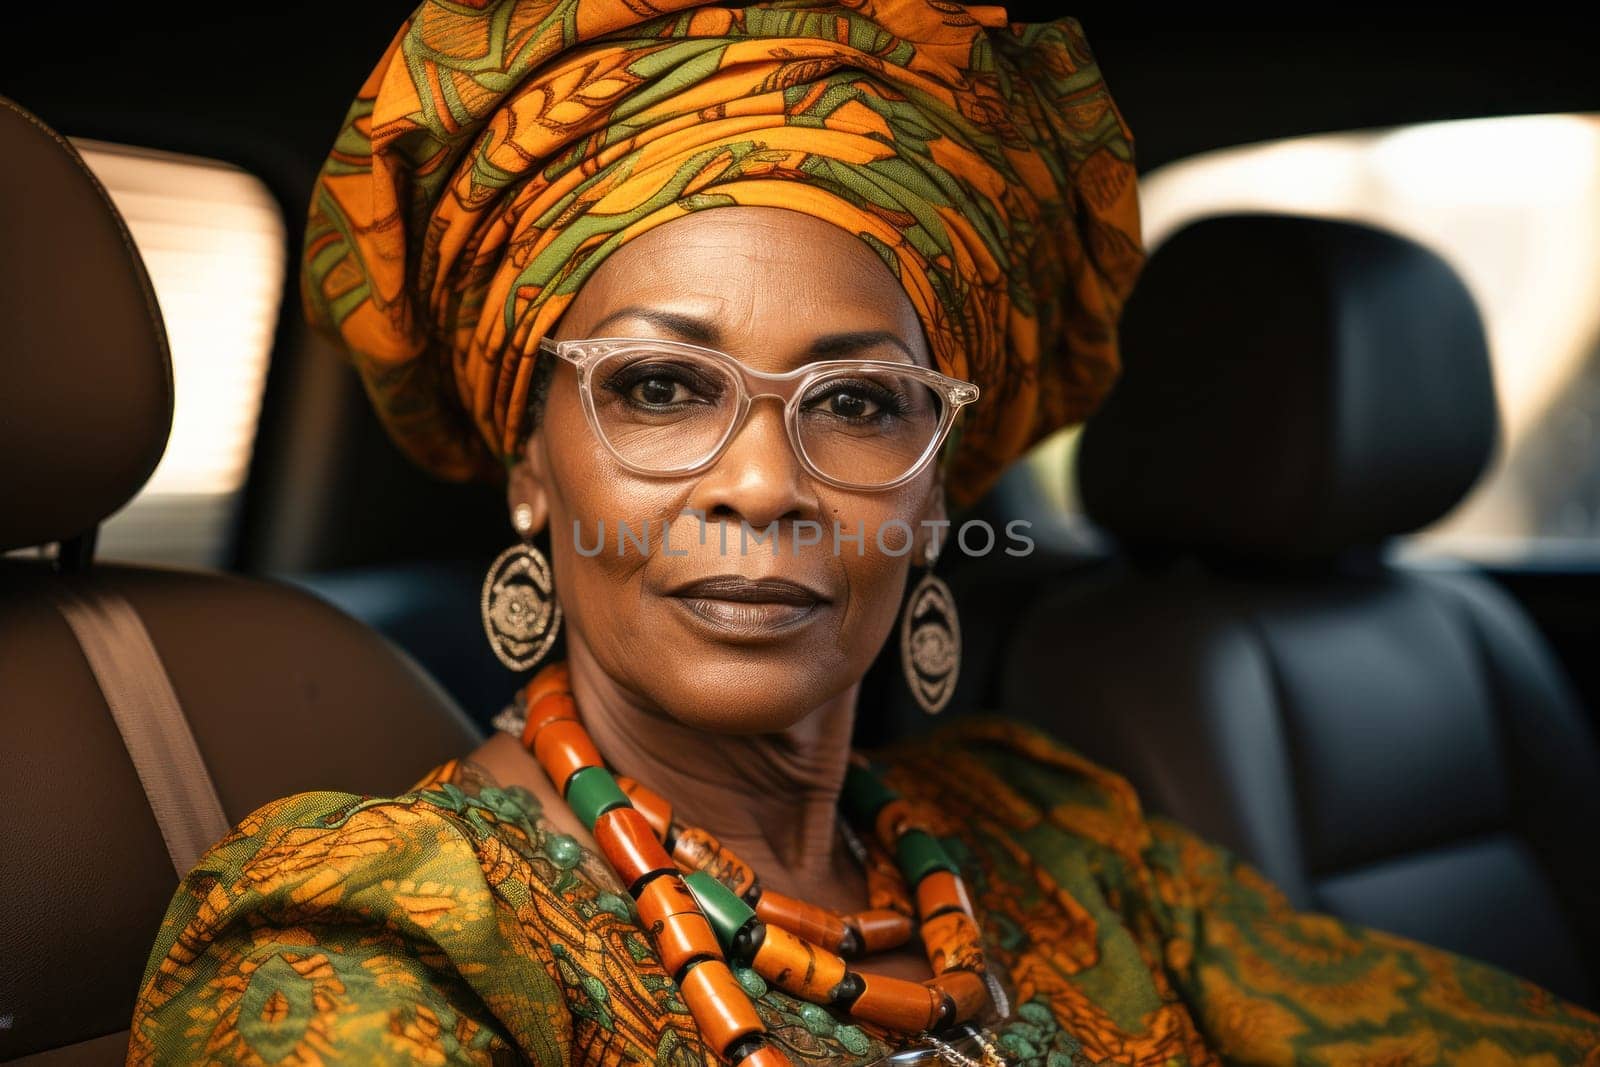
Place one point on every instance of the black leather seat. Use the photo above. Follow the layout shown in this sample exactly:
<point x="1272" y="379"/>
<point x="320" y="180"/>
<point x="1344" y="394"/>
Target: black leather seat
<point x="282" y="692"/>
<point x="1393" y="746"/>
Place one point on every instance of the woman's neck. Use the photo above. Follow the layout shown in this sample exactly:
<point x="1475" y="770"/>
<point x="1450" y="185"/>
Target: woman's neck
<point x="771" y="798"/>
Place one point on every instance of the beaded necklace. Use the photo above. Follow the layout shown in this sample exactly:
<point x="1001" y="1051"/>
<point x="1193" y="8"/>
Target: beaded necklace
<point x="704" y="907"/>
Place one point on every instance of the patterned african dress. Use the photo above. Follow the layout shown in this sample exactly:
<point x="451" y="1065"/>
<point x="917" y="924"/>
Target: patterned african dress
<point x="454" y="924"/>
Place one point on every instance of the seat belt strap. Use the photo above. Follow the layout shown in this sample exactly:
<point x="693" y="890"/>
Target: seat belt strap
<point x="139" y="693"/>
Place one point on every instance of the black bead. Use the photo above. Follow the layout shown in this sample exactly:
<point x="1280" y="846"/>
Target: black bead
<point x="748" y="1045"/>
<point x="848" y="991"/>
<point x="747" y="941"/>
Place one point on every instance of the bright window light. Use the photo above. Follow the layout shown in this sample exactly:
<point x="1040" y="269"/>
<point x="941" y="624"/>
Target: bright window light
<point x="213" y="240"/>
<point x="1514" y="205"/>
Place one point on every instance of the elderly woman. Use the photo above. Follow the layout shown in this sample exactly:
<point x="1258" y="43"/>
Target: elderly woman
<point x="726" y="278"/>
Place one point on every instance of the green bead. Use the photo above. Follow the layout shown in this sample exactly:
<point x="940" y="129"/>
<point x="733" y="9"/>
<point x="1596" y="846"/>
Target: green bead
<point x="918" y="855"/>
<point x="754" y="985"/>
<point x="616" y="905"/>
<point x="817" y="1020"/>
<point x="1017" y="1046"/>
<point x="853" y="1039"/>
<point x="722" y="907"/>
<point x="864" y="795"/>
<point x="591" y="793"/>
<point x="563" y="851"/>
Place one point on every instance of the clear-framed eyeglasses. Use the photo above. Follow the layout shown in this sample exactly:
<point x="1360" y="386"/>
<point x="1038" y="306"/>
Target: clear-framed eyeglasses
<point x="669" y="408"/>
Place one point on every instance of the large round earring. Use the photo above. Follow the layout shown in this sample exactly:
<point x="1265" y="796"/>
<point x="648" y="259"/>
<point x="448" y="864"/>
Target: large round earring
<point x="520" y="615"/>
<point x="930" y="640"/>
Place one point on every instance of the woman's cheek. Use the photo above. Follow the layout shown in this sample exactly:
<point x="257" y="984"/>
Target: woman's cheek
<point x="876" y="574"/>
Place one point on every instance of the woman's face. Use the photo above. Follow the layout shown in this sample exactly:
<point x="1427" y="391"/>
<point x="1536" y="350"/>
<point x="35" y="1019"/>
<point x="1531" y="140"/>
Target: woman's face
<point x="771" y="288"/>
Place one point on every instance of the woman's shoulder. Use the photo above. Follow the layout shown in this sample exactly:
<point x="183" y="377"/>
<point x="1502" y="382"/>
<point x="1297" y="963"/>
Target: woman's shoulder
<point x="349" y="831"/>
<point x="454" y="909"/>
<point x="457" y="831"/>
<point x="1010" y="772"/>
<point x="337" y="860"/>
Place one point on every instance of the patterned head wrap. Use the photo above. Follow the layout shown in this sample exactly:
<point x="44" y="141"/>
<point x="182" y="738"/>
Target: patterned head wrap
<point x="501" y="150"/>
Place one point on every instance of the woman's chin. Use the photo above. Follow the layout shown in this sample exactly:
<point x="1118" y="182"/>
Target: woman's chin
<point x="734" y="688"/>
<point x="728" y="667"/>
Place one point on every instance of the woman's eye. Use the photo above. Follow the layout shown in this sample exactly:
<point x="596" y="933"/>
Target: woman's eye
<point x="850" y="404"/>
<point x="658" y="392"/>
<point x="856" y="401"/>
<point x="661" y="386"/>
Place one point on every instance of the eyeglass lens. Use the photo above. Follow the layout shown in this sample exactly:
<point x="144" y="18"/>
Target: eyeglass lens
<point x="666" y="411"/>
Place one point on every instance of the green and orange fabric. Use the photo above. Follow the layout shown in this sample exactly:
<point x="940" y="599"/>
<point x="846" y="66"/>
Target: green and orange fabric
<point x="501" y="150"/>
<point x="455" y="924"/>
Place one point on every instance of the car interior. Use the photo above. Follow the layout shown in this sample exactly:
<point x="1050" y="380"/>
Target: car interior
<point x="1232" y="599"/>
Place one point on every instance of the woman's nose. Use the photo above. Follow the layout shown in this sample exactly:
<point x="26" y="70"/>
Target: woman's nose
<point x="758" y="478"/>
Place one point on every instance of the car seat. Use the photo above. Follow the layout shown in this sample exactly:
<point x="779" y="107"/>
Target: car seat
<point x="281" y="692"/>
<point x="1392" y="745"/>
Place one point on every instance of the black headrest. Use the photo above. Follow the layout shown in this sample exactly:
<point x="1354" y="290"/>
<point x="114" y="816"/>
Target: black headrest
<point x="85" y="378"/>
<point x="1292" y="387"/>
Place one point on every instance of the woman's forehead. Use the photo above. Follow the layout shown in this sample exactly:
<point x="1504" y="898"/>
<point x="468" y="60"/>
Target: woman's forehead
<point x="740" y="276"/>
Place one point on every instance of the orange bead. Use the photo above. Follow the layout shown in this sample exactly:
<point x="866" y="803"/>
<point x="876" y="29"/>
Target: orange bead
<point x="896" y="1004"/>
<point x="966" y="991"/>
<point x="668" y="912"/>
<point x="894" y="819"/>
<point x="766" y="1056"/>
<point x="655" y="807"/>
<point x="563" y="748"/>
<point x="886" y="886"/>
<point x="719" y="1004"/>
<point x="553" y="679"/>
<point x="697" y="849"/>
<point x="549" y="708"/>
<point x="816" y="925"/>
<point x="662" y="897"/>
<point x="797" y="966"/>
<point x="626" y="841"/>
<point x="939" y="891"/>
<point x="881" y="930"/>
<point x="952" y="942"/>
<point x="682" y="938"/>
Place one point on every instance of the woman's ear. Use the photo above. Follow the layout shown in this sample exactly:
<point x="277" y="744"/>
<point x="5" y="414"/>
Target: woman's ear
<point x="527" y="486"/>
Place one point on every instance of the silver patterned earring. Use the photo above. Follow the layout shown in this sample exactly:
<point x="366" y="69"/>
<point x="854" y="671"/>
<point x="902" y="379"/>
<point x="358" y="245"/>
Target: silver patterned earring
<point x="930" y="640"/>
<point x="520" y="615"/>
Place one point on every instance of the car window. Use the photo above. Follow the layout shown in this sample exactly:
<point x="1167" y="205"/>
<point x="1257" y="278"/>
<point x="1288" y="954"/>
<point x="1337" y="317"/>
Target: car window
<point x="213" y="240"/>
<point x="1514" y="205"/>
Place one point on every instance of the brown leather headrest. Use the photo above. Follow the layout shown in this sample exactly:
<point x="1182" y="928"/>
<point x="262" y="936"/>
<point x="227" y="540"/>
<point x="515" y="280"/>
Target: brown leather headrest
<point x="85" y="377"/>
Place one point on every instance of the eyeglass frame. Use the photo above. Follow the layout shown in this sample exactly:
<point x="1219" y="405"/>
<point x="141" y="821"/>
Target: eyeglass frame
<point x="584" y="353"/>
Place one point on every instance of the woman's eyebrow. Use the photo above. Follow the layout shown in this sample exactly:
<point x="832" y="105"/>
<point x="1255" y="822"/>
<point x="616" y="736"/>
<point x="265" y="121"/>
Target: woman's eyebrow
<point x="835" y="345"/>
<point x="688" y="327"/>
<point x="704" y="332"/>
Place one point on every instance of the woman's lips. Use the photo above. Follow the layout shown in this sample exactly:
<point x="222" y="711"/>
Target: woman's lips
<point x="750" y="608"/>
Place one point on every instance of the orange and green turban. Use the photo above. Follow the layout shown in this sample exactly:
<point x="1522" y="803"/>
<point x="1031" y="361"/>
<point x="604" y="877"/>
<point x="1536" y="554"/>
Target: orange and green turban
<point x="501" y="150"/>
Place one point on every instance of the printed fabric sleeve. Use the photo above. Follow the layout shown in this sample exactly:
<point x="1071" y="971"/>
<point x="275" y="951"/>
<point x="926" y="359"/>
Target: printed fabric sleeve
<point x="333" y="928"/>
<point x="1270" y="985"/>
